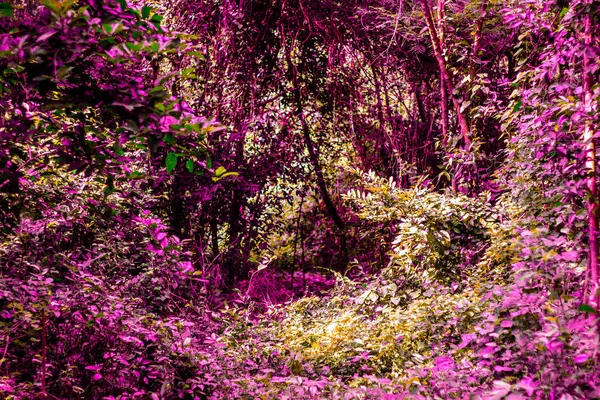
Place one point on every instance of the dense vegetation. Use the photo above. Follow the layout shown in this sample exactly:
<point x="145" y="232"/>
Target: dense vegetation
<point x="301" y="199"/>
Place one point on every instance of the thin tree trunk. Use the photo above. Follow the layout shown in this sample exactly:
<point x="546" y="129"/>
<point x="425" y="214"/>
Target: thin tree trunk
<point x="312" y="152"/>
<point x="477" y="40"/>
<point x="381" y="136"/>
<point x="234" y="264"/>
<point x="310" y="146"/>
<point x="296" y="243"/>
<point x="588" y="138"/>
<point x="447" y="75"/>
<point x="314" y="160"/>
<point x="44" y="351"/>
<point x="443" y="90"/>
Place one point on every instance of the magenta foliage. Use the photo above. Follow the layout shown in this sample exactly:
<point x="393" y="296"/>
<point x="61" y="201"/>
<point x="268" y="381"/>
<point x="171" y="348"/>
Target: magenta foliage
<point x="108" y="192"/>
<point x="82" y="315"/>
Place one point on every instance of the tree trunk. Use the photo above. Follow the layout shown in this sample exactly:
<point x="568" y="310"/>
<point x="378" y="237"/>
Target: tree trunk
<point x="443" y="90"/>
<point x="477" y="40"/>
<point x="314" y="160"/>
<point x="314" y="157"/>
<point x="438" y="51"/>
<point x="588" y="139"/>
<point x="234" y="264"/>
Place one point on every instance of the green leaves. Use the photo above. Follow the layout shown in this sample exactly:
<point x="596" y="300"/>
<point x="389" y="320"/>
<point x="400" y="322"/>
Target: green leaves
<point x="146" y="10"/>
<point x="188" y="73"/>
<point x="6" y="10"/>
<point x="586" y="308"/>
<point x="517" y="106"/>
<point x="189" y="165"/>
<point x="156" y="19"/>
<point x="563" y="12"/>
<point x="171" y="161"/>
<point x="58" y="7"/>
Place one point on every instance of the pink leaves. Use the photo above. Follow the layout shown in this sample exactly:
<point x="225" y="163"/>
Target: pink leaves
<point x="443" y="363"/>
<point x="555" y="346"/>
<point x="506" y="323"/>
<point x="166" y="122"/>
<point x="131" y="339"/>
<point x="95" y="368"/>
<point x="501" y="389"/>
<point x="151" y="248"/>
<point x="581" y="359"/>
<point x="528" y="385"/>
<point x="186" y="267"/>
<point x="570" y="256"/>
<point x="489" y="350"/>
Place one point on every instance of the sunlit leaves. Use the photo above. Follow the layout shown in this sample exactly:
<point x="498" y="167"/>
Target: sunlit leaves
<point x="221" y="173"/>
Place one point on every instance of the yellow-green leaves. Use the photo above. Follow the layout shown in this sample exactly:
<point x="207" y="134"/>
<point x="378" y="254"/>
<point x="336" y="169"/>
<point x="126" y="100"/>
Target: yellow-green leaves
<point x="221" y="173"/>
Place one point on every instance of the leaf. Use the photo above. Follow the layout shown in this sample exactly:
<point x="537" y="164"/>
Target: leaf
<point x="223" y="175"/>
<point x="581" y="359"/>
<point x="171" y="161"/>
<point x="586" y="308"/>
<point x="50" y="4"/>
<point x="146" y="11"/>
<point x="517" y="106"/>
<point x="220" y="171"/>
<point x="6" y="10"/>
<point x="188" y="73"/>
<point x="189" y="165"/>
<point x="570" y="256"/>
<point x="464" y="105"/>
<point x="563" y="12"/>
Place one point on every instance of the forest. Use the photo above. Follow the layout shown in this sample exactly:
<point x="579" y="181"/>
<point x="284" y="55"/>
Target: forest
<point x="299" y="199"/>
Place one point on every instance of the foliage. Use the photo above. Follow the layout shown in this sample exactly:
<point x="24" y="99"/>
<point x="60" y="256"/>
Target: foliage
<point x="185" y="210"/>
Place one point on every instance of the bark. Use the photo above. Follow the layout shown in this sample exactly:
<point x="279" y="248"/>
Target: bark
<point x="296" y="243"/>
<point x="179" y="220"/>
<point x="477" y="40"/>
<point x="443" y="90"/>
<point x="381" y="138"/>
<point x="234" y="264"/>
<point x="418" y="100"/>
<point x="588" y="136"/>
<point x="314" y="160"/>
<point x="438" y="52"/>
